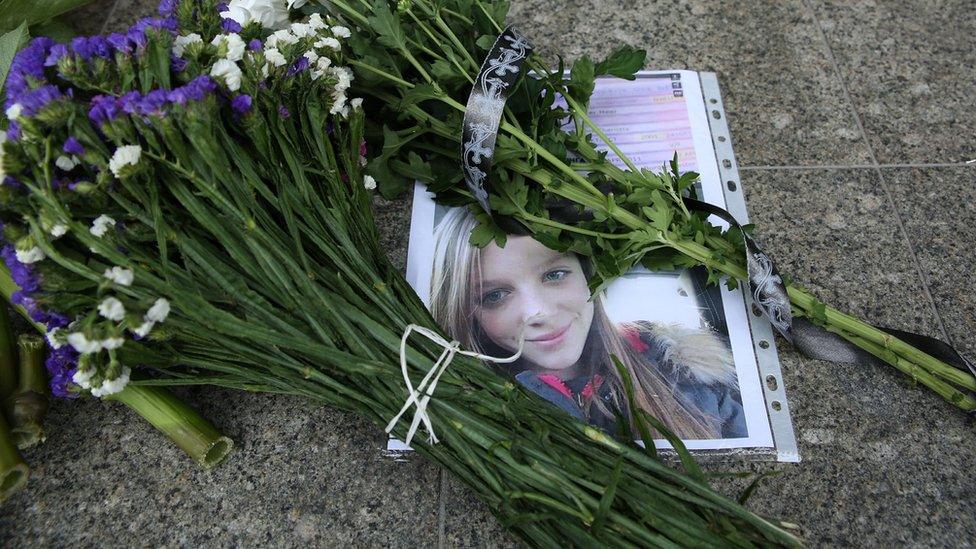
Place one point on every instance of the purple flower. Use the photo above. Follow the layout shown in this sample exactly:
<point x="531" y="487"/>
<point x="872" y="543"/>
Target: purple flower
<point x="57" y="52"/>
<point x="13" y="133"/>
<point x="129" y="102"/>
<point x="241" y="104"/>
<point x="283" y="112"/>
<point x="229" y="25"/>
<point x="100" y="47"/>
<point x="62" y="364"/>
<point x="255" y="45"/>
<point x="81" y="47"/>
<point x="199" y="87"/>
<point x="22" y="275"/>
<point x="298" y="66"/>
<point x="167" y="7"/>
<point x="73" y="146"/>
<point x="153" y="102"/>
<point x="221" y="7"/>
<point x="104" y="108"/>
<point x="36" y="99"/>
<point x="29" y="62"/>
<point x="178" y="64"/>
<point x="120" y="42"/>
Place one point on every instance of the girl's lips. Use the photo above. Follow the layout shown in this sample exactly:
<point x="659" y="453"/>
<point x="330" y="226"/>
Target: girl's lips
<point x="552" y="339"/>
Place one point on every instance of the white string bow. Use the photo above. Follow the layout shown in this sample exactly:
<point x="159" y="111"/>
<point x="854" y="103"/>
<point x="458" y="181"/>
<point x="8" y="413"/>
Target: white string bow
<point x="421" y="396"/>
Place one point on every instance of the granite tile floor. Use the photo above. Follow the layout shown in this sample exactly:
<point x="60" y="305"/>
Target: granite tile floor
<point x="853" y="124"/>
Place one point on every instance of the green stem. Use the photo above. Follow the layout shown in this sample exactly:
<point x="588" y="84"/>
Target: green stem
<point x="182" y="424"/>
<point x="8" y="355"/>
<point x="28" y="405"/>
<point x="13" y="468"/>
<point x="584" y="116"/>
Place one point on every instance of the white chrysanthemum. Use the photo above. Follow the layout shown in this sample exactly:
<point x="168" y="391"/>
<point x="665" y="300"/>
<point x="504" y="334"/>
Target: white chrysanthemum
<point x="112" y="386"/>
<point x="112" y="343"/>
<point x="112" y="309"/>
<point x="341" y="32"/>
<point x="229" y="72"/>
<point x="126" y="155"/>
<point x="181" y="42"/>
<point x="32" y="255"/>
<point x="271" y="14"/>
<point x="311" y="56"/>
<point x="143" y="329"/>
<point x="58" y="230"/>
<point x="100" y="225"/>
<point x="159" y="311"/>
<point x="67" y="163"/>
<point x="301" y="30"/>
<point x="235" y="45"/>
<point x="316" y="22"/>
<point x="274" y="57"/>
<point x="82" y="344"/>
<point x="283" y="37"/>
<point x="120" y="276"/>
<point x="369" y="182"/>
<point x="14" y="111"/>
<point x="53" y="339"/>
<point x="328" y="43"/>
<point x="82" y="378"/>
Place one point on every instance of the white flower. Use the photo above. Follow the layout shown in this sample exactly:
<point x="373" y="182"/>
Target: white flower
<point x="284" y="37"/>
<point x="32" y="255"/>
<point x="235" y="45"/>
<point x="126" y="155"/>
<point x="229" y="72"/>
<point x="120" y="276"/>
<point x="112" y="343"/>
<point x="13" y="111"/>
<point x="100" y="225"/>
<point x="143" y="329"/>
<point x="112" y="386"/>
<point x="111" y="309"/>
<point x="83" y="377"/>
<point x="58" y="230"/>
<point x="315" y="21"/>
<point x="295" y="4"/>
<point x="52" y="338"/>
<point x="181" y="42"/>
<point x="341" y="32"/>
<point x="311" y="56"/>
<point x="159" y="311"/>
<point x="67" y="163"/>
<point x="369" y="182"/>
<point x="321" y="66"/>
<point x="301" y="30"/>
<point x="328" y="43"/>
<point x="272" y="14"/>
<point x="356" y="103"/>
<point x="82" y="344"/>
<point x="344" y="78"/>
<point x="274" y="57"/>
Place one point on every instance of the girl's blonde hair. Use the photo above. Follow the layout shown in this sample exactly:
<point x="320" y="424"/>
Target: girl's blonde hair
<point x="453" y="301"/>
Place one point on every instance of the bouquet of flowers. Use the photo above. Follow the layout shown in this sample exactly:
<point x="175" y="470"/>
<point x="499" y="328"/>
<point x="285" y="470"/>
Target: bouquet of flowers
<point x="193" y="193"/>
<point x="419" y="60"/>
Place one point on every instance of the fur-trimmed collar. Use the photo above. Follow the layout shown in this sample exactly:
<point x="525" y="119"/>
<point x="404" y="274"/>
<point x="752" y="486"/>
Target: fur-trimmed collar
<point x="701" y="355"/>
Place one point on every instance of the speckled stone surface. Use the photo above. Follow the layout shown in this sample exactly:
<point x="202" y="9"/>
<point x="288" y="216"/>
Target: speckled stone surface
<point x="910" y="68"/>
<point x="884" y="463"/>
<point x="781" y="95"/>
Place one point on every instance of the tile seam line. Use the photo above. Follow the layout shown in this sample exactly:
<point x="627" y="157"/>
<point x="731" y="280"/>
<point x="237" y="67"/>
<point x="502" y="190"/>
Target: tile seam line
<point x="109" y="17"/>
<point x="859" y="166"/>
<point x="881" y="178"/>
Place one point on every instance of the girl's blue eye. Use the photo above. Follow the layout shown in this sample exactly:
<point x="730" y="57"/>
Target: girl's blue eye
<point x="493" y="297"/>
<point x="555" y="275"/>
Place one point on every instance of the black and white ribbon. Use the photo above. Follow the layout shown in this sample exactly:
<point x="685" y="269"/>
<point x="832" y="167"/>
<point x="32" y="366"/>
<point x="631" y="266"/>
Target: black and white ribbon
<point x="483" y="114"/>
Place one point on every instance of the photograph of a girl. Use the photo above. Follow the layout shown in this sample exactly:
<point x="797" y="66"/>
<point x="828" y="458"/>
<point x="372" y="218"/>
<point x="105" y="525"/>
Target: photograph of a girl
<point x="488" y="298"/>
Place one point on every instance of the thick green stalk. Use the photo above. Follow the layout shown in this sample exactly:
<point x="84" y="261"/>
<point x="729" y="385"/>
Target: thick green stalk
<point x="13" y="468"/>
<point x="182" y="424"/>
<point x="28" y="404"/>
<point x="8" y="354"/>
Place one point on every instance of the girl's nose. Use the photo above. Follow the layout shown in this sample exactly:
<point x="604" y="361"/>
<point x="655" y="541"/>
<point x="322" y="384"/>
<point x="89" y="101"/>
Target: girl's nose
<point x="536" y="310"/>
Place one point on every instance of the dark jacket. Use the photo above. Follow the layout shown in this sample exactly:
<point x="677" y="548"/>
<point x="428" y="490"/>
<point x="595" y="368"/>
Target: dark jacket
<point x="697" y="364"/>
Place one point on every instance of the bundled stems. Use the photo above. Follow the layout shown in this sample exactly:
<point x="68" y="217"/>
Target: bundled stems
<point x="28" y="404"/>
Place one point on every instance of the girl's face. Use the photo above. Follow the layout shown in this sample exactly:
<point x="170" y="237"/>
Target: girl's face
<point x="527" y="284"/>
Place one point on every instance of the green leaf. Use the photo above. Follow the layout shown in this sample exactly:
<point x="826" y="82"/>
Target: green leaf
<point x="10" y="43"/>
<point x="624" y="62"/>
<point x="387" y="26"/>
<point x="416" y="168"/>
<point x="422" y="92"/>
<point x="15" y="12"/>
<point x="486" y="232"/>
<point x="582" y="79"/>
<point x="486" y="41"/>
